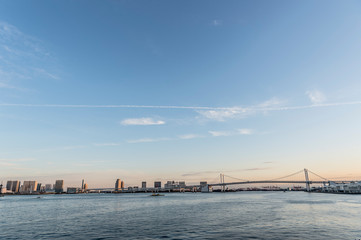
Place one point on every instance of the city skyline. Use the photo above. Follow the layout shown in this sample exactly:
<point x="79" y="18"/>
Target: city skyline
<point x="146" y="91"/>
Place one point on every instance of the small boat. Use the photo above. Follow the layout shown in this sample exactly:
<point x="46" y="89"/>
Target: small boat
<point x="156" y="195"/>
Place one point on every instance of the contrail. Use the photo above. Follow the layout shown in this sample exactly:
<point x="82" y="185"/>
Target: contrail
<point x="252" y="108"/>
<point x="110" y="106"/>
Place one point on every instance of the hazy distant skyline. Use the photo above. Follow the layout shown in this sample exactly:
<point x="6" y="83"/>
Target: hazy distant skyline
<point x="165" y="90"/>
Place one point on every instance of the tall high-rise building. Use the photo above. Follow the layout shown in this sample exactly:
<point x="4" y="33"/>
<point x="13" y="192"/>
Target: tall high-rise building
<point x="118" y="185"/>
<point x="144" y="184"/>
<point x="13" y="186"/>
<point x="38" y="187"/>
<point x="59" y="186"/>
<point x="48" y="187"/>
<point x="85" y="186"/>
<point x="157" y="184"/>
<point x="29" y="187"/>
<point x="122" y="184"/>
<point x="82" y="184"/>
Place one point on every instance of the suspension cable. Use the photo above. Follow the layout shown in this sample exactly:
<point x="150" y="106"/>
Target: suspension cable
<point x="236" y="178"/>
<point x="286" y="176"/>
<point x="318" y="175"/>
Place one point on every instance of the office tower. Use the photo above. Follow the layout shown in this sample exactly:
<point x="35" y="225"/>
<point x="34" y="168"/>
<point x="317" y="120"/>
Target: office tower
<point x="144" y="184"/>
<point x="59" y="186"/>
<point x="204" y="183"/>
<point x="16" y="186"/>
<point x="48" y="187"/>
<point x="38" y="187"/>
<point x="9" y="185"/>
<point x="13" y="186"/>
<point x="29" y="187"/>
<point x="82" y="184"/>
<point x="122" y="184"/>
<point x="85" y="186"/>
<point x="118" y="185"/>
<point x="157" y="184"/>
<point x="182" y="184"/>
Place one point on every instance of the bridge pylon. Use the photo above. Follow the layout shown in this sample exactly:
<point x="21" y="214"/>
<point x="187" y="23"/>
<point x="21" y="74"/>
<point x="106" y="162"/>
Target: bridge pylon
<point x="223" y="187"/>
<point x="308" y="187"/>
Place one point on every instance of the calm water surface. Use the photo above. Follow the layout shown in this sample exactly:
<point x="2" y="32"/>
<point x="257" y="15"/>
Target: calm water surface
<point x="242" y="215"/>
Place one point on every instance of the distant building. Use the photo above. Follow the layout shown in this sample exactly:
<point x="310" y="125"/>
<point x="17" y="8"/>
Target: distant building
<point x="157" y="184"/>
<point x="38" y="188"/>
<point x="72" y="190"/>
<point x="122" y="184"/>
<point x="82" y="184"/>
<point x="174" y="185"/>
<point x="48" y="187"/>
<point x="144" y="184"/>
<point x="203" y="184"/>
<point x="13" y="186"/>
<point x="182" y="184"/>
<point x="118" y="185"/>
<point x="59" y="186"/>
<point x="29" y="187"/>
<point x="85" y="187"/>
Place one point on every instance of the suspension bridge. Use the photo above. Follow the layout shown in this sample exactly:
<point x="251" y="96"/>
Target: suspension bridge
<point x="303" y="176"/>
<point x="281" y="180"/>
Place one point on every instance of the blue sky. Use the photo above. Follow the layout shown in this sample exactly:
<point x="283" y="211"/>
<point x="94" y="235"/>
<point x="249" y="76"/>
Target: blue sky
<point x="183" y="90"/>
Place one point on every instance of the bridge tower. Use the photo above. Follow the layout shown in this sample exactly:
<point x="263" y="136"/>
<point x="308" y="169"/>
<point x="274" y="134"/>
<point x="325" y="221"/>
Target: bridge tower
<point x="223" y="187"/>
<point x="308" y="188"/>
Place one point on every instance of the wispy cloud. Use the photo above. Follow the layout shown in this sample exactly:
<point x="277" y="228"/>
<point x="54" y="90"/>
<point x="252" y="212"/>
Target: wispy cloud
<point x="190" y="136"/>
<point x="149" y="140"/>
<point x="22" y="57"/>
<point x="107" y="144"/>
<point x="220" y="133"/>
<point x="240" y="112"/>
<point x="217" y="22"/>
<point x="243" y="131"/>
<point x="62" y="148"/>
<point x="225" y="171"/>
<point x="14" y="163"/>
<point x="141" y="121"/>
<point x="223" y="114"/>
<point x="315" y="96"/>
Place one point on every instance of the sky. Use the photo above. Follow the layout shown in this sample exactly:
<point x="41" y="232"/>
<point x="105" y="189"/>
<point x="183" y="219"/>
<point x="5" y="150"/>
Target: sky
<point x="178" y="90"/>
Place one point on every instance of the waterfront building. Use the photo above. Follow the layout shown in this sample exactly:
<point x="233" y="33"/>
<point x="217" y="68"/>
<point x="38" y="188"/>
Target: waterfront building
<point x="82" y="184"/>
<point x="157" y="184"/>
<point x="72" y="190"/>
<point x="182" y="184"/>
<point x="352" y="187"/>
<point x="202" y="184"/>
<point x="85" y="186"/>
<point x="144" y="185"/>
<point x="38" y="187"/>
<point x="13" y="186"/>
<point x="118" y="185"/>
<point x="174" y="185"/>
<point x="59" y="186"/>
<point x="29" y="187"/>
<point x="122" y="184"/>
<point x="48" y="187"/>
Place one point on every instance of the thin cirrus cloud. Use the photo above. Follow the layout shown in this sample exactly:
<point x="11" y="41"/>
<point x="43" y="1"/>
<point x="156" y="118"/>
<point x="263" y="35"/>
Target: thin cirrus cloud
<point x="242" y="131"/>
<point x="217" y="22"/>
<point x="190" y="136"/>
<point x="22" y="57"/>
<point x="141" y="121"/>
<point x="149" y="140"/>
<point x="224" y="114"/>
<point x="316" y="96"/>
